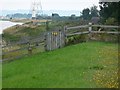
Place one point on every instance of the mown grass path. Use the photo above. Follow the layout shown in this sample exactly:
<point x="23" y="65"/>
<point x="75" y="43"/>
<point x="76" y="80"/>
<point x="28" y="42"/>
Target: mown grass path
<point x="84" y="65"/>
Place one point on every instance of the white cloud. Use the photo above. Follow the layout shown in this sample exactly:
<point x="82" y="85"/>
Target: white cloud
<point x="49" y="4"/>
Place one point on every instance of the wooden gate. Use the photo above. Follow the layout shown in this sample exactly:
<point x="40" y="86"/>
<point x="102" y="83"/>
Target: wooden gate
<point x="54" y="40"/>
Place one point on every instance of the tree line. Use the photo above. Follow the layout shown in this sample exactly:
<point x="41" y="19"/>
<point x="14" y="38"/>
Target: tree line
<point x="109" y="12"/>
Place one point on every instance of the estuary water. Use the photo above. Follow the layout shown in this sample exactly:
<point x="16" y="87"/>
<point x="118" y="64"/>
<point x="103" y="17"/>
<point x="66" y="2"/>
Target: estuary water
<point x="7" y="24"/>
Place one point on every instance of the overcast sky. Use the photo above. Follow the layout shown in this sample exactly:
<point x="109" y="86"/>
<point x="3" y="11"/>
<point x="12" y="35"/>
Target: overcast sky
<point x="48" y="4"/>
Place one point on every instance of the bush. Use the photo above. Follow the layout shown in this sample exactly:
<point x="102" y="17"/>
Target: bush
<point x="76" y="39"/>
<point x="111" y="21"/>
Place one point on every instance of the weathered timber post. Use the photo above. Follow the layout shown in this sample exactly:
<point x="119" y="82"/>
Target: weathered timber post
<point x="90" y="29"/>
<point x="2" y="51"/>
<point x="29" y="49"/>
<point x="47" y="25"/>
<point x="65" y="32"/>
<point x="62" y="38"/>
<point x="45" y="41"/>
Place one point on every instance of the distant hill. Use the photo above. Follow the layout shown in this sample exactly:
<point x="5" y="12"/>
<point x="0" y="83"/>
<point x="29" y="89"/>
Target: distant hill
<point x="19" y="15"/>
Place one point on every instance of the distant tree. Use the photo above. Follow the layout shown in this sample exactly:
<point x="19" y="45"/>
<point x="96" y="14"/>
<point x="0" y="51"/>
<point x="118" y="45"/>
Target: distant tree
<point x="55" y="16"/>
<point x="86" y="14"/>
<point x="94" y="11"/>
<point x="72" y="17"/>
<point x="110" y="9"/>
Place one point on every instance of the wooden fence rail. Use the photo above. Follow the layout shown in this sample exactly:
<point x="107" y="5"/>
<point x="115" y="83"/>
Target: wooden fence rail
<point x="105" y="26"/>
<point x="14" y="47"/>
<point x="76" y="27"/>
<point x="78" y="33"/>
<point x="107" y="32"/>
<point x="90" y="29"/>
<point x="12" y="58"/>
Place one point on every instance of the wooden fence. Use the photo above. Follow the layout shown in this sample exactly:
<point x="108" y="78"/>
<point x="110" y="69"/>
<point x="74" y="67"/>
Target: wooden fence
<point x="47" y="41"/>
<point x="51" y="40"/>
<point x="90" y="30"/>
<point x="23" y="48"/>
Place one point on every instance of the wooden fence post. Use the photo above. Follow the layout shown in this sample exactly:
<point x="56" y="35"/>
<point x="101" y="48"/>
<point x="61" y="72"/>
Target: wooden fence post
<point x="45" y="41"/>
<point x="29" y="49"/>
<point x="90" y="29"/>
<point x="65" y="37"/>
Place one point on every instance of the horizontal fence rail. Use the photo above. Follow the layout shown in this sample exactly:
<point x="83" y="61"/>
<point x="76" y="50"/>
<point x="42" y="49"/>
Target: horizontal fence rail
<point x="106" y="26"/>
<point x="11" y="58"/>
<point x="90" y="27"/>
<point x="77" y="33"/>
<point x="76" y="27"/>
<point x="21" y="48"/>
<point x="4" y="53"/>
<point x="30" y="40"/>
<point x="107" y="32"/>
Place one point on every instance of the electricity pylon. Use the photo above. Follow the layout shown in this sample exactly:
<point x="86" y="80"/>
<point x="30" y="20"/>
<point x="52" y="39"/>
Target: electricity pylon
<point x="36" y="9"/>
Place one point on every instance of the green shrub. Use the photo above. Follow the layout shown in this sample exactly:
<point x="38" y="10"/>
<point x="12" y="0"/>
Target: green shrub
<point x="76" y="39"/>
<point x="111" y="21"/>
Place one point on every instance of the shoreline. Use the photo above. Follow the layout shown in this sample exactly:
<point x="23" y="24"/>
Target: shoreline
<point x="7" y="24"/>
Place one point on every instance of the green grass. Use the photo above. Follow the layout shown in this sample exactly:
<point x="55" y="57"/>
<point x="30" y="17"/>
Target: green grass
<point x="84" y="65"/>
<point x="0" y="75"/>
